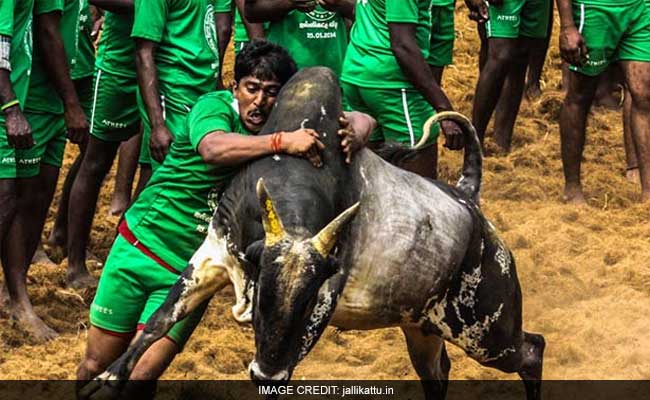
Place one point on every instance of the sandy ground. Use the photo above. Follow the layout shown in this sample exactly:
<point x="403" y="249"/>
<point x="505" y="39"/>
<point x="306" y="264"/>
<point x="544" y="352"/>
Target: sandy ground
<point x="585" y="272"/>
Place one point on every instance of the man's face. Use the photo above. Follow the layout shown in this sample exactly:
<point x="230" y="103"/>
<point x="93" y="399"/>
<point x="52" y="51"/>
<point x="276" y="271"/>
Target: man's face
<point x="256" y="98"/>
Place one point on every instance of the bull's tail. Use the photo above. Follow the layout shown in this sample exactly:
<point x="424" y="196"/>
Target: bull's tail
<point x="470" y="179"/>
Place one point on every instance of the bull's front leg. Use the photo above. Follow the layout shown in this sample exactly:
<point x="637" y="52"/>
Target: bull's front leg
<point x="211" y="268"/>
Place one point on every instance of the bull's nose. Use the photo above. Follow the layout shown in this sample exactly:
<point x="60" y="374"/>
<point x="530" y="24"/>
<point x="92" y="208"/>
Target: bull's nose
<point x="258" y="375"/>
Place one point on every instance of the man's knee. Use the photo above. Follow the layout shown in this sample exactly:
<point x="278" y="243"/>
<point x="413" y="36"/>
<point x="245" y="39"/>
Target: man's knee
<point x="641" y="98"/>
<point x="8" y="198"/>
<point x="503" y="51"/>
<point x="89" y="368"/>
<point x="99" y="158"/>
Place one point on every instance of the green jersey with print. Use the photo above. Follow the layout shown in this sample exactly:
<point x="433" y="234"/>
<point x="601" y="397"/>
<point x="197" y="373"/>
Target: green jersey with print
<point x="187" y="57"/>
<point x="83" y="61"/>
<point x="171" y="215"/>
<point x="42" y="95"/>
<point x="312" y="39"/>
<point x="116" y="49"/>
<point x="16" y="22"/>
<point x="369" y="61"/>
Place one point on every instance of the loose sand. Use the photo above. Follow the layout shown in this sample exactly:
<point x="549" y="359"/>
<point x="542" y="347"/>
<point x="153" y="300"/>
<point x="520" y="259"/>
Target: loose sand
<point x="585" y="272"/>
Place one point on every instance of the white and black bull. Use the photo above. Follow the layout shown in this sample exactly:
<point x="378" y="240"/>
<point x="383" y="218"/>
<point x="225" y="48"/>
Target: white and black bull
<point x="364" y="246"/>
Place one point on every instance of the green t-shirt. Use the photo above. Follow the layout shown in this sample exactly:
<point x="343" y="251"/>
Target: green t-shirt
<point x="171" y="215"/>
<point x="116" y="49"/>
<point x="83" y="61"/>
<point x="16" y="22"/>
<point x="370" y="61"/>
<point x="442" y="3"/>
<point x="187" y="57"/>
<point x="42" y="95"/>
<point x="315" y="38"/>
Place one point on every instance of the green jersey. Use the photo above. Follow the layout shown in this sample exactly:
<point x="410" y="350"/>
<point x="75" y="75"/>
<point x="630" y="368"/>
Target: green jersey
<point x="116" y="49"/>
<point x="369" y="61"/>
<point x="241" y="34"/>
<point x="187" y="57"/>
<point x="171" y="215"/>
<point x="315" y="38"/>
<point x="42" y="94"/>
<point x="83" y="60"/>
<point x="16" y="22"/>
<point x="442" y="3"/>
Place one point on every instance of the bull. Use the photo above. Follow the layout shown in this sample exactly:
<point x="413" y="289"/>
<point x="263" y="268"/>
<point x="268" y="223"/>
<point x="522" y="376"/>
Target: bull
<point x="364" y="246"/>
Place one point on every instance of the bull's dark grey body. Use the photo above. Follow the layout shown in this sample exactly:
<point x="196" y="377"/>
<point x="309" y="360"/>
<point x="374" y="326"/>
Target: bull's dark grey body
<point x="418" y="255"/>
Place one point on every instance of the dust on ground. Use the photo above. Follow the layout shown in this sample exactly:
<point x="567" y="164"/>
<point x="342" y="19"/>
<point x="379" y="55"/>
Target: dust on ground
<point x="585" y="272"/>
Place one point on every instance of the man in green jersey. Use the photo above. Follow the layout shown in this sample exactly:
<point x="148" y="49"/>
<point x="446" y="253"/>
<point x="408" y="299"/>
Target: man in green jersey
<point x="442" y="36"/>
<point x="177" y="61"/>
<point x="169" y="220"/>
<point x="51" y="117"/>
<point x="82" y="62"/>
<point x="15" y="139"/>
<point x="386" y="75"/>
<point x="594" y="34"/>
<point x="515" y="30"/>
<point x="513" y="88"/>
<point x="114" y="119"/>
<point x="314" y="32"/>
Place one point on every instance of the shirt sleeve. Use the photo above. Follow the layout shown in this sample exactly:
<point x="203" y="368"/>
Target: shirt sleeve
<point x="402" y="11"/>
<point x="150" y="19"/>
<point x="210" y="114"/>
<point x="223" y="6"/>
<point x="47" y="6"/>
<point x="6" y="18"/>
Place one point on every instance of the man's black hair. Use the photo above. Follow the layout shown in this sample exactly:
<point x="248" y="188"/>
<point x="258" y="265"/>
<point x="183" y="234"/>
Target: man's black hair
<point x="265" y="61"/>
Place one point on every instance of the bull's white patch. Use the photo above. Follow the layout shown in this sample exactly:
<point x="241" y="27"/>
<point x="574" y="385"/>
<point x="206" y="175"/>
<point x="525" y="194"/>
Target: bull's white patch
<point x="471" y="335"/>
<point x="276" y="158"/>
<point x="319" y="312"/>
<point x="213" y="265"/>
<point x="323" y="112"/>
<point x="303" y="123"/>
<point x="502" y="257"/>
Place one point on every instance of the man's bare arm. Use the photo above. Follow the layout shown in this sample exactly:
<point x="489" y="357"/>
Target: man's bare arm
<point x="274" y="10"/>
<point x="254" y="30"/>
<point x="19" y="133"/>
<point x="147" y="74"/>
<point x="573" y="48"/>
<point x="48" y="39"/>
<point x="416" y="70"/>
<point x="116" y="6"/>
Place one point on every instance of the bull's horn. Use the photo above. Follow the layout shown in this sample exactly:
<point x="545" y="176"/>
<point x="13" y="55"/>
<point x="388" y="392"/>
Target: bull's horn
<point x="441" y="116"/>
<point x="325" y="240"/>
<point x="272" y="224"/>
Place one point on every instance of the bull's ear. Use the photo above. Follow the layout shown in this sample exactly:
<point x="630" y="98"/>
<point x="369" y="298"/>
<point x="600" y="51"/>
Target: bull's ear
<point x="325" y="240"/>
<point x="272" y="224"/>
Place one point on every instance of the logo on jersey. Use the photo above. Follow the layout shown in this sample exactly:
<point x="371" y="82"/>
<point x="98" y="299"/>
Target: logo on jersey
<point x="210" y="32"/>
<point x="321" y="15"/>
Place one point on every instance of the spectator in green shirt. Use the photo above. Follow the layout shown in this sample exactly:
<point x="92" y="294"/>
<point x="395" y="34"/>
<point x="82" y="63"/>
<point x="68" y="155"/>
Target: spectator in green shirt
<point x="595" y="34"/>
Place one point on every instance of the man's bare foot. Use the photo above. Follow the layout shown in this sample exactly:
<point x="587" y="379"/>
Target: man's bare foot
<point x="81" y="280"/>
<point x="57" y="243"/>
<point x="574" y="195"/>
<point x="41" y="257"/>
<point x="119" y="203"/>
<point x="645" y="197"/>
<point x="29" y="321"/>
<point x="632" y="175"/>
<point x="533" y="92"/>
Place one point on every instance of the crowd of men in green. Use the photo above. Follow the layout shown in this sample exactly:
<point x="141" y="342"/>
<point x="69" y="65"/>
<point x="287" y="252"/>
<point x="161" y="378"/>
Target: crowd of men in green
<point x="156" y="74"/>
